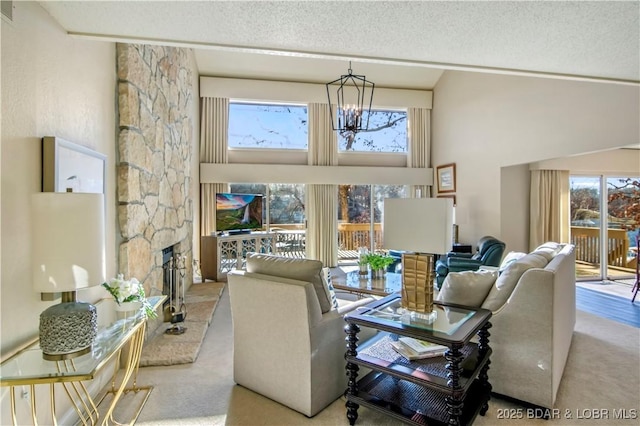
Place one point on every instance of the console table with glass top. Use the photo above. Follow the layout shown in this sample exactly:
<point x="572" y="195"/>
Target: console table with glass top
<point x="29" y="368"/>
<point x="445" y="390"/>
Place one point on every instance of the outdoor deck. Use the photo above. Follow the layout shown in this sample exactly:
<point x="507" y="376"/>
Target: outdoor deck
<point x="351" y="236"/>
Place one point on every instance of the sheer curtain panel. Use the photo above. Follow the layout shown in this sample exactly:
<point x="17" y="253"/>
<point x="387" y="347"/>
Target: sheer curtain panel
<point x="549" y="207"/>
<point x="321" y="209"/>
<point x="419" y="135"/>
<point x="214" y="123"/>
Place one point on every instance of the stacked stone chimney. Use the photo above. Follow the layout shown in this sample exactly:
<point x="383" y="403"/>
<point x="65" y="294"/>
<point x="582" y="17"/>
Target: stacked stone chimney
<point x="155" y="209"/>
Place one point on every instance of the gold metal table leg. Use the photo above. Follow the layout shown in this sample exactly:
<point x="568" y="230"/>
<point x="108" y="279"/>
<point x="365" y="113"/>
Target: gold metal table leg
<point x="130" y="371"/>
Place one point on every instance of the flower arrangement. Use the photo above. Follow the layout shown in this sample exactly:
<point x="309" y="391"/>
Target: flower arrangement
<point x="124" y="291"/>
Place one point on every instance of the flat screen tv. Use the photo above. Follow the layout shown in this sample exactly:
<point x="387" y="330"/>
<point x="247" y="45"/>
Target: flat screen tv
<point x="235" y="212"/>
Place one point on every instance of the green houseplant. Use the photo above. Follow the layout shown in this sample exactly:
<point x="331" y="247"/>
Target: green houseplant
<point x="378" y="261"/>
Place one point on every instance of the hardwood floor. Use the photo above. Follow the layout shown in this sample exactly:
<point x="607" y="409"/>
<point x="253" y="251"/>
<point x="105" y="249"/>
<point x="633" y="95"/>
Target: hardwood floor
<point x="608" y="300"/>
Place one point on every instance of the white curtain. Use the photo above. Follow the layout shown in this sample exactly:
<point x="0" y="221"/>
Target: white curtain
<point x="321" y="205"/>
<point x="419" y="139"/>
<point x="549" y="207"/>
<point x="214" y="122"/>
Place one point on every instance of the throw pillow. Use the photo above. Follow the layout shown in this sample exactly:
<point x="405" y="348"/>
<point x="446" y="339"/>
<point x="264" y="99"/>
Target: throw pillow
<point x="550" y="245"/>
<point x="295" y="269"/>
<point x="468" y="288"/>
<point x="548" y="250"/>
<point x="511" y="257"/>
<point x="508" y="279"/>
<point x="331" y="292"/>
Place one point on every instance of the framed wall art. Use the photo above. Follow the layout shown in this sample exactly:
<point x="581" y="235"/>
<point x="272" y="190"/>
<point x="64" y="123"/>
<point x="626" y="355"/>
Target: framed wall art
<point x="446" y="177"/>
<point x="69" y="167"/>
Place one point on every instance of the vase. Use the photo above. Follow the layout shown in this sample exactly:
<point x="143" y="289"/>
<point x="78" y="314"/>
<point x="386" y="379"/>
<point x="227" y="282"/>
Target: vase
<point x="126" y="311"/>
<point x="377" y="273"/>
<point x="128" y="306"/>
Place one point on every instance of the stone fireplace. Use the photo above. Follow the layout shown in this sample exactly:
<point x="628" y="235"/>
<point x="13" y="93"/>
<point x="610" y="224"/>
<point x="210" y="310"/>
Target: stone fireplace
<point x="154" y="157"/>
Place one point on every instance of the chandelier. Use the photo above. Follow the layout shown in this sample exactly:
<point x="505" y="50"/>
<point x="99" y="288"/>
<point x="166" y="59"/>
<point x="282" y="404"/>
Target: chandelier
<point x="353" y="95"/>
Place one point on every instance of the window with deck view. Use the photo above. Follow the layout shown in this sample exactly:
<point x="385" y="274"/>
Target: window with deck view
<point x="284" y="202"/>
<point x="618" y="200"/>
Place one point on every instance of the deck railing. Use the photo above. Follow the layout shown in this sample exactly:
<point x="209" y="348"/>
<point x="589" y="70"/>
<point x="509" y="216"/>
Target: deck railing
<point x="587" y="242"/>
<point x="352" y="236"/>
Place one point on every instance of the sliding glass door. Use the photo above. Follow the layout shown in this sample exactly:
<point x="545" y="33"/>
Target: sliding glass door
<point x="360" y="210"/>
<point x="623" y="222"/>
<point x="618" y="200"/>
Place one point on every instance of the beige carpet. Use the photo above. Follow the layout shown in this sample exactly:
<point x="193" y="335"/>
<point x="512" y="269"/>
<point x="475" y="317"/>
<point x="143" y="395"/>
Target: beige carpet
<point x="602" y="372"/>
<point x="168" y="349"/>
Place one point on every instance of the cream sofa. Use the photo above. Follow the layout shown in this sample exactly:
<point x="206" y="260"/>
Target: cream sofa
<point x="284" y="346"/>
<point x="534" y="313"/>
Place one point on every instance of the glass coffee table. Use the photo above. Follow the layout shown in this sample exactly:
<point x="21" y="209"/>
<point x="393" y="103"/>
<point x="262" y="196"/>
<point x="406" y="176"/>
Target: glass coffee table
<point x="362" y="285"/>
<point x="445" y="390"/>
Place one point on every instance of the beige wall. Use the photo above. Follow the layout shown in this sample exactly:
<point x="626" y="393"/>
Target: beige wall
<point x="488" y="123"/>
<point x="618" y="162"/>
<point x="52" y="85"/>
<point x="55" y="85"/>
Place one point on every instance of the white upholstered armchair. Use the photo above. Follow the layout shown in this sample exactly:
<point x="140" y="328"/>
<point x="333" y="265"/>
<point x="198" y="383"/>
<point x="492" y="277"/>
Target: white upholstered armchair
<point x="284" y="346"/>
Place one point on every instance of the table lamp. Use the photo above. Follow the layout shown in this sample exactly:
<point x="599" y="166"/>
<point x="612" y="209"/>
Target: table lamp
<point x="422" y="227"/>
<point x="67" y="255"/>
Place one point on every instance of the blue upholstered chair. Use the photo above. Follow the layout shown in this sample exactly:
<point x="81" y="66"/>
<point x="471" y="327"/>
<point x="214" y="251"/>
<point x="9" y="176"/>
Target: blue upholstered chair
<point x="489" y="253"/>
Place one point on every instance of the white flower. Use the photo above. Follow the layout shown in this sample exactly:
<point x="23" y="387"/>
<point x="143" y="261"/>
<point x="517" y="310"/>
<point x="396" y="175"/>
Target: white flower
<point x="128" y="291"/>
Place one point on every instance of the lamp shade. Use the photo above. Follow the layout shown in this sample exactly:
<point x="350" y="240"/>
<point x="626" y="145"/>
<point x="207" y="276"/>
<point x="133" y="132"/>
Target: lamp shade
<point x="67" y="241"/>
<point x="423" y="225"/>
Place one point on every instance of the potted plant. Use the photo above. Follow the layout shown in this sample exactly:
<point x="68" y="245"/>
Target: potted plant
<point x="129" y="295"/>
<point x="378" y="262"/>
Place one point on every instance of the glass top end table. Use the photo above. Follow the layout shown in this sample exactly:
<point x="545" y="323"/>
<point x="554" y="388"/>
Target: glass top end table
<point x="356" y="283"/>
<point x="451" y="324"/>
<point x="443" y="319"/>
<point x="449" y="389"/>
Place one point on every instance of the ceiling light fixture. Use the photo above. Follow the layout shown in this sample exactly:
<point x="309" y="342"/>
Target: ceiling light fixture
<point x="353" y="96"/>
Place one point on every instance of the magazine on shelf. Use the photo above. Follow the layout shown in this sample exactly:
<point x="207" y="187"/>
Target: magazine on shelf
<point x="411" y="355"/>
<point x="420" y="346"/>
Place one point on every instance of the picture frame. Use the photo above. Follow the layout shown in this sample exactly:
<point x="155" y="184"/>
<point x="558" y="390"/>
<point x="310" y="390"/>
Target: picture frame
<point x="69" y="167"/>
<point x="449" y="196"/>
<point x="446" y="178"/>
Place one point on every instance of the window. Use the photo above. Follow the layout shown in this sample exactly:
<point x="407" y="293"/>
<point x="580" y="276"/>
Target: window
<point x="387" y="133"/>
<point x="267" y="126"/>
<point x="357" y="205"/>
<point x="283" y="202"/>
<point x="286" y="204"/>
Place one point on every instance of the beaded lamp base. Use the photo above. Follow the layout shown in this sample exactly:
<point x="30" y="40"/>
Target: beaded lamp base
<point x="417" y="282"/>
<point x="67" y="330"/>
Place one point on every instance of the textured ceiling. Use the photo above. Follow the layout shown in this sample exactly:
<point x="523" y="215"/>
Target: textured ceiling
<point x="397" y="44"/>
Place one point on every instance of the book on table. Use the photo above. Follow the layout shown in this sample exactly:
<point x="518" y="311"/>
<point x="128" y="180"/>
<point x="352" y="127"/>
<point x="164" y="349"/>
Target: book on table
<point x="420" y="346"/>
<point x="412" y="355"/>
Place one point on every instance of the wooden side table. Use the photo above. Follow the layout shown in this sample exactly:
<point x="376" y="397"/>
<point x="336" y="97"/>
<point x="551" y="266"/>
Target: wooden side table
<point x="450" y="390"/>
